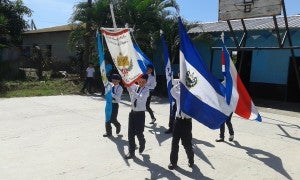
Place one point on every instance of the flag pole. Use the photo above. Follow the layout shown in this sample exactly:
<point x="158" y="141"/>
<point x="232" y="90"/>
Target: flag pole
<point x="113" y="15"/>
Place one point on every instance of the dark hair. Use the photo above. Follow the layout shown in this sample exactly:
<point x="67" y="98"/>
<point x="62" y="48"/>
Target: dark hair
<point x="116" y="77"/>
<point x="151" y="67"/>
<point x="144" y="76"/>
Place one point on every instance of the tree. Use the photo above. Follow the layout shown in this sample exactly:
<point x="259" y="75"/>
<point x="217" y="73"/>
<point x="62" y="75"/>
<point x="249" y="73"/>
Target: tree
<point x="12" y="23"/>
<point x="145" y="17"/>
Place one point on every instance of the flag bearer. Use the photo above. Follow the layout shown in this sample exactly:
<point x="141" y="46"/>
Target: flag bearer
<point x="138" y="95"/>
<point x="117" y="91"/>
<point x="182" y="130"/>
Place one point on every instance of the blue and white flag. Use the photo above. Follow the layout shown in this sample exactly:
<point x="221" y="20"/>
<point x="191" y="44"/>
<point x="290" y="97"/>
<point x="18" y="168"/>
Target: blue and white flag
<point x="107" y="85"/>
<point x="143" y="60"/>
<point x="168" y="71"/>
<point x="201" y="94"/>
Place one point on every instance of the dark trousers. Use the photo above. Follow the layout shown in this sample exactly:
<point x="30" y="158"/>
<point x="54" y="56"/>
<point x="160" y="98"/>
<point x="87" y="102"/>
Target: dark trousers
<point x="229" y="125"/>
<point x="148" y="106"/>
<point x="182" y="130"/>
<point x="136" y="126"/>
<point x="113" y="119"/>
<point x="88" y="84"/>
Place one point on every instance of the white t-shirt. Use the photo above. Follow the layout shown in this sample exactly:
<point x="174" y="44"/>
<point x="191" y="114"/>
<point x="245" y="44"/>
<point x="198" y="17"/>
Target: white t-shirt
<point x="90" y="72"/>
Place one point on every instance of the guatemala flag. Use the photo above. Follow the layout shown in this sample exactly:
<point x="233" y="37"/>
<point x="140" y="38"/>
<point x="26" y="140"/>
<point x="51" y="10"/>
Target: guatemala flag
<point x="168" y="70"/>
<point x="143" y="60"/>
<point x="107" y="85"/>
<point x="201" y="94"/>
<point x="237" y="96"/>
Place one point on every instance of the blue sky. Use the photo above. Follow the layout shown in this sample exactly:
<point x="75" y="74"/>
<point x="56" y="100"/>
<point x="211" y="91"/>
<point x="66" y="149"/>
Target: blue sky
<point x="49" y="13"/>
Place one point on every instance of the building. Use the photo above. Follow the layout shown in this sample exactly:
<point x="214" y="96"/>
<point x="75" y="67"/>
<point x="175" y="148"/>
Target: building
<point x="265" y="68"/>
<point x="53" y="41"/>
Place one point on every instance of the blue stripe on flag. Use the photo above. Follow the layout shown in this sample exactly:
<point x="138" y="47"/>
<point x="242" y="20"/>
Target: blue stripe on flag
<point x="168" y="71"/>
<point x="143" y="60"/>
<point x="108" y="95"/>
<point x="228" y="77"/>
<point x="201" y="111"/>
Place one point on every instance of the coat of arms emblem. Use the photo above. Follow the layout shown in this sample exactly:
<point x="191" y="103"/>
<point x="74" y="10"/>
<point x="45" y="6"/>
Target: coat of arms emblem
<point x="190" y="79"/>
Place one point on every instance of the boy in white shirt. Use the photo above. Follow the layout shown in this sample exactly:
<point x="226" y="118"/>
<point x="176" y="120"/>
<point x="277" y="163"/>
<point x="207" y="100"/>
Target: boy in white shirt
<point x="117" y="91"/>
<point x="136" y="124"/>
<point x="182" y="130"/>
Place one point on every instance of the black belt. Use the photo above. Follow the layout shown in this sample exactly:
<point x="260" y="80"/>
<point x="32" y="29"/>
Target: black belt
<point x="183" y="119"/>
<point x="136" y="111"/>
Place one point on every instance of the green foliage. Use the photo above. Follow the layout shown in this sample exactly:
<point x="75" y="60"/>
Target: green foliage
<point x="39" y="88"/>
<point x="11" y="20"/>
<point x="146" y="18"/>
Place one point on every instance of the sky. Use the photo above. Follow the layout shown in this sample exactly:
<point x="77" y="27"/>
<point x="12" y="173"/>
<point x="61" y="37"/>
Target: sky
<point x="49" y="13"/>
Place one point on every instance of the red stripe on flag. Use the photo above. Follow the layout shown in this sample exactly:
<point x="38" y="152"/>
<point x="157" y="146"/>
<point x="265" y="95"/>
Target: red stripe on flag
<point x="223" y="57"/>
<point x="244" y="105"/>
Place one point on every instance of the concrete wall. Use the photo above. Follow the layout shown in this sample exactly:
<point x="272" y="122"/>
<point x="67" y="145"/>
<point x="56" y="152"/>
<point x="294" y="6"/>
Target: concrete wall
<point x="57" y="40"/>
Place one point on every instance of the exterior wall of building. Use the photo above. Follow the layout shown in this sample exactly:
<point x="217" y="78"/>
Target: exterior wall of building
<point x="57" y="42"/>
<point x="269" y="68"/>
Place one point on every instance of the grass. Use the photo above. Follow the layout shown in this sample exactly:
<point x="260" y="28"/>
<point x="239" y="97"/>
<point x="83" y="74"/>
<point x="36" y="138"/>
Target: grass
<point x="39" y="88"/>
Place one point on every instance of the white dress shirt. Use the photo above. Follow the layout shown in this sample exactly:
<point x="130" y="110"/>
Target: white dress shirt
<point x="140" y="97"/>
<point x="151" y="82"/>
<point x="116" y="93"/>
<point x="175" y="92"/>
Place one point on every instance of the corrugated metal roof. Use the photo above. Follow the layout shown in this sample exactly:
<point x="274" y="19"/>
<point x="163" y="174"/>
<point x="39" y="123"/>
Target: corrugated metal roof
<point x="68" y="27"/>
<point x="251" y="24"/>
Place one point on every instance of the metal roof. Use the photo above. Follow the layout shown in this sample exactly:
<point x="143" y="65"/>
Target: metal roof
<point x="251" y="24"/>
<point x="68" y="27"/>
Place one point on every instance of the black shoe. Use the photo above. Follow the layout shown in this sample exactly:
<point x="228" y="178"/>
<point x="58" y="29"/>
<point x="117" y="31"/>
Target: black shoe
<point x="169" y="131"/>
<point x="118" y="130"/>
<point x="220" y="140"/>
<point x="106" y="135"/>
<point x="191" y="165"/>
<point x="172" y="166"/>
<point x="153" y="120"/>
<point x="129" y="156"/>
<point x="231" y="138"/>
<point x="142" y="148"/>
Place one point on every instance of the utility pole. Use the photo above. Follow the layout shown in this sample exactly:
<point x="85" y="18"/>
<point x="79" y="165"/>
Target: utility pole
<point x="87" y="39"/>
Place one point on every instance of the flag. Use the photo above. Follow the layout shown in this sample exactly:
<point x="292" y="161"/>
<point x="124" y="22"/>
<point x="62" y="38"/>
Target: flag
<point x="107" y="85"/>
<point x="143" y="60"/>
<point x="168" y="71"/>
<point x="202" y="96"/>
<point x="123" y="54"/>
<point x="236" y="94"/>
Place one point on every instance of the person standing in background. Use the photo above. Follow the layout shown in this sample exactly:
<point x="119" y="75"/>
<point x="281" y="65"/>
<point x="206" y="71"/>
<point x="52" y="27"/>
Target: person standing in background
<point x="90" y="72"/>
<point x="151" y="84"/>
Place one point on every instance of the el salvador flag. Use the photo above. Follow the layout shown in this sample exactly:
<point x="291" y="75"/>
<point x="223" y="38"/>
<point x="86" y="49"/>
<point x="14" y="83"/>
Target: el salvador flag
<point x="236" y="94"/>
<point x="107" y="85"/>
<point x="201" y="94"/>
<point x="168" y="71"/>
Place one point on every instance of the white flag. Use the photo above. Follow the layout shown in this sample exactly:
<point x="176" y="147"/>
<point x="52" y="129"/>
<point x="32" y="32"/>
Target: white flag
<point x="123" y="54"/>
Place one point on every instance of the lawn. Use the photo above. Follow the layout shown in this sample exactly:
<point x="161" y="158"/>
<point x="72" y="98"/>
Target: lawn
<point x="39" y="88"/>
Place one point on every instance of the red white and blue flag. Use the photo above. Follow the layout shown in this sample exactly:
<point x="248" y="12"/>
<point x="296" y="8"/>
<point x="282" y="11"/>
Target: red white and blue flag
<point x="236" y="94"/>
